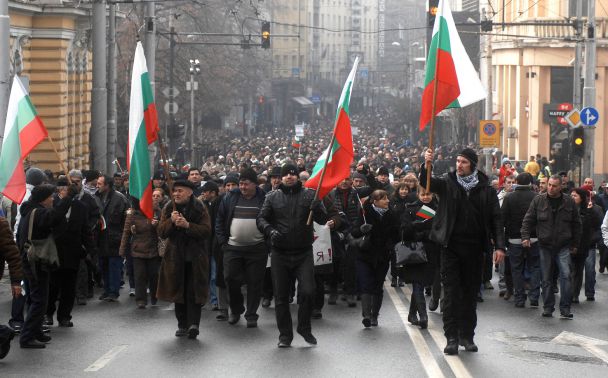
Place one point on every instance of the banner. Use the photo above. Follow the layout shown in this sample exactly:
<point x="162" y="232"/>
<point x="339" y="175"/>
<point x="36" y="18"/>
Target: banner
<point x="321" y="248"/>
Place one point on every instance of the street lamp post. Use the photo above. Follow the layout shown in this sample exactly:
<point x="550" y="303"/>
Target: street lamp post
<point x="195" y="68"/>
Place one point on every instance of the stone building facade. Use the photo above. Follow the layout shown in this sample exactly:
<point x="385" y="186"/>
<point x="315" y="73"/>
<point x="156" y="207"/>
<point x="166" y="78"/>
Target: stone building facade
<point x="50" y="51"/>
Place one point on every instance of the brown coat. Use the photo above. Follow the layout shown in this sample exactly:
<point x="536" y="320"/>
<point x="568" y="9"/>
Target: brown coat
<point x="141" y="234"/>
<point x="9" y="252"/>
<point x="182" y="242"/>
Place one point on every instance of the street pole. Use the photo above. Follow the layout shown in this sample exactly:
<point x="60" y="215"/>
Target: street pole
<point x="99" y="107"/>
<point x="150" y="43"/>
<point x="589" y="89"/>
<point x="192" y="133"/>
<point x="578" y="54"/>
<point x="171" y="123"/>
<point x="112" y="126"/>
<point x="150" y="53"/>
<point x="4" y="64"/>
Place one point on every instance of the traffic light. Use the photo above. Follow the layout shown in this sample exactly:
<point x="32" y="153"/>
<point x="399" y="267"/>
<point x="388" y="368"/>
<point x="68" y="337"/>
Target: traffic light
<point x="578" y="141"/>
<point x="432" y="11"/>
<point x="486" y="25"/>
<point x="265" y="35"/>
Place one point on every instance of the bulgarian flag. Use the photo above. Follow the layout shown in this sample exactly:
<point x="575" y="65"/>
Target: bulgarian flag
<point x="449" y="70"/>
<point x="143" y="131"/>
<point x="425" y="212"/>
<point x="22" y="132"/>
<point x="296" y="143"/>
<point x="339" y="154"/>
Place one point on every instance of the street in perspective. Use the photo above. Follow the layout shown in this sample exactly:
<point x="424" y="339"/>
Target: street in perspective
<point x="307" y="188"/>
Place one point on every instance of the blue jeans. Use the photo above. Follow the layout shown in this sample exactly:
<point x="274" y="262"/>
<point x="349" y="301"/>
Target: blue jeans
<point x="590" y="274"/>
<point x="212" y="277"/>
<point x="550" y="260"/>
<point x="112" y="268"/>
<point x="521" y="258"/>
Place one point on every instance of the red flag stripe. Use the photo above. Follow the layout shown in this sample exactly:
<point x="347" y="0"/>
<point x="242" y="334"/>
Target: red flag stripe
<point x="448" y="89"/>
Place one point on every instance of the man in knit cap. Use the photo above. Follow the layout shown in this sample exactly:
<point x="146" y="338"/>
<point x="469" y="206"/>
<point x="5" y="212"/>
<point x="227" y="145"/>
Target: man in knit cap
<point x="468" y="219"/>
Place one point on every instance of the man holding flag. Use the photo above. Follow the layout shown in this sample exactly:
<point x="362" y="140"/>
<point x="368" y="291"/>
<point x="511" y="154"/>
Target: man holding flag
<point x="286" y="215"/>
<point x="468" y="217"/>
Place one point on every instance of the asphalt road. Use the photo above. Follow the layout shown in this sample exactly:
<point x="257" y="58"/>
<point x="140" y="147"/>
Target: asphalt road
<point x="118" y="340"/>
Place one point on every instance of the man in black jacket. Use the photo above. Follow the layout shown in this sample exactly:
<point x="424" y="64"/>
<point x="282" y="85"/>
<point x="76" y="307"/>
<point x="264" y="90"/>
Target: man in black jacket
<point x="346" y="200"/>
<point x="283" y="219"/>
<point x="467" y="219"/>
<point x="555" y="218"/>
<point x="113" y="209"/>
<point x="514" y="208"/>
<point x="73" y="239"/>
<point x="88" y="266"/>
<point x="243" y="245"/>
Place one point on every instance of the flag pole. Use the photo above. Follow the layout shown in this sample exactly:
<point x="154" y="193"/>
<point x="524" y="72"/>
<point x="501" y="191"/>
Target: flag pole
<point x="63" y="168"/>
<point x="331" y="143"/>
<point x="163" y="156"/>
<point x="429" y="166"/>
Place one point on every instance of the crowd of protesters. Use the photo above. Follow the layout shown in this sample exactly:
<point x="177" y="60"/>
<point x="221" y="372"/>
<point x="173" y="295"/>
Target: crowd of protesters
<point x="214" y="227"/>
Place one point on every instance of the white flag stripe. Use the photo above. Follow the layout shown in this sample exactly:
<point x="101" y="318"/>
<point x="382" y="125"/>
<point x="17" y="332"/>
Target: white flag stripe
<point x="136" y="109"/>
<point x="471" y="89"/>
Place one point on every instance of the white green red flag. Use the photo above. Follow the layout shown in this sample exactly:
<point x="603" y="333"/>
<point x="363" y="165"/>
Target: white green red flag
<point x="339" y="154"/>
<point x="22" y="132"/>
<point x="425" y="212"/>
<point x="143" y="131"/>
<point x="296" y="143"/>
<point x="448" y="70"/>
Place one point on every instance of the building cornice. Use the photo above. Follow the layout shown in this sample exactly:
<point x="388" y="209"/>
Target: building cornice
<point x="43" y="33"/>
<point x="46" y="9"/>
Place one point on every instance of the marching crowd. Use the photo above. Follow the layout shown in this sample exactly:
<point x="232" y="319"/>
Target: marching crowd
<point x="242" y="219"/>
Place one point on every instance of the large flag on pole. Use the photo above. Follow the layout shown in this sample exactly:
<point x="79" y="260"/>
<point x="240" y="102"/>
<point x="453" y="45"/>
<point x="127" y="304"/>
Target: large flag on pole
<point x="448" y="64"/>
<point x="143" y="131"/>
<point x="339" y="154"/>
<point x="22" y="132"/>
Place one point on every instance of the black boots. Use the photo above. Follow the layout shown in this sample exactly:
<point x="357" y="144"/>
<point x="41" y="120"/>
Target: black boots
<point x="412" y="317"/>
<point x="366" y="309"/>
<point x="423" y="319"/>
<point x="376" y="304"/>
<point x="452" y="347"/>
<point x="468" y="344"/>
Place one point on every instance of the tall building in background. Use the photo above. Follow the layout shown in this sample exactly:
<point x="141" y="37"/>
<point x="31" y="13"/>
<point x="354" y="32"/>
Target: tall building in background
<point x="289" y="102"/>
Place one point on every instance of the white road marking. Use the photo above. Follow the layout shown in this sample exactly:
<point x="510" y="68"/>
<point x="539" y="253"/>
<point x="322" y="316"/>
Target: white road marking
<point x="590" y="344"/>
<point x="454" y="362"/>
<point x="106" y="358"/>
<point x="429" y="364"/>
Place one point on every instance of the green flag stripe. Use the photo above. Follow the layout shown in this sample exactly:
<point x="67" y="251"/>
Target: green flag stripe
<point x="321" y="162"/>
<point x="345" y="104"/>
<point x="25" y="113"/>
<point x="11" y="154"/>
<point x="146" y="90"/>
<point x="443" y="44"/>
<point x="139" y="175"/>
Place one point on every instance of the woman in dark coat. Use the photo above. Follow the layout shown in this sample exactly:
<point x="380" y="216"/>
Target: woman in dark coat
<point x="398" y="204"/>
<point x="591" y="219"/>
<point x="382" y="224"/>
<point x="46" y="219"/>
<point x="422" y="275"/>
<point x="184" y="271"/>
<point x="140" y="236"/>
